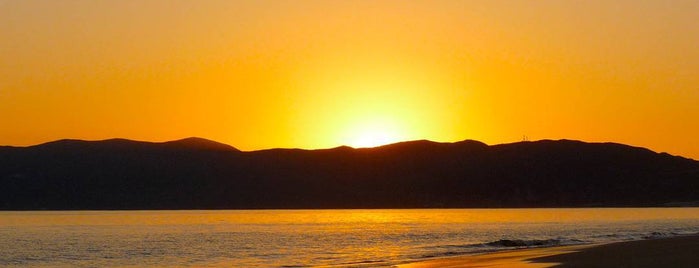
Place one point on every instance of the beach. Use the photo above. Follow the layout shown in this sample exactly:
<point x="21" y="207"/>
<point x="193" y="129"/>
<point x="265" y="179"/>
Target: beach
<point x="665" y="252"/>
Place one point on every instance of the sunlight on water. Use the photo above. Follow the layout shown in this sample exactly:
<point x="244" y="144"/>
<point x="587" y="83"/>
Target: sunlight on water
<point x="311" y="237"/>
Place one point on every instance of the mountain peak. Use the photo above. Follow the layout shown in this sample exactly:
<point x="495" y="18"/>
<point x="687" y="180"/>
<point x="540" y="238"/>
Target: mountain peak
<point x="192" y="143"/>
<point x="424" y="144"/>
<point x="200" y="143"/>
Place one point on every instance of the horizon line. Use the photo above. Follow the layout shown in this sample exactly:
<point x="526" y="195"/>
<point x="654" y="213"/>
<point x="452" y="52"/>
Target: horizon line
<point x="324" y="148"/>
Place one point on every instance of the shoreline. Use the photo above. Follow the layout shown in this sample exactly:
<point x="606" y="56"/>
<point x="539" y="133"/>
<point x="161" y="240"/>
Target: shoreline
<point x="677" y="251"/>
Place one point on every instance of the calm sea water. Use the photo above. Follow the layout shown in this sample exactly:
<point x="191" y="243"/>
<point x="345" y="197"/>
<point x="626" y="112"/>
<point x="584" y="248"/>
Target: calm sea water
<point x="300" y="238"/>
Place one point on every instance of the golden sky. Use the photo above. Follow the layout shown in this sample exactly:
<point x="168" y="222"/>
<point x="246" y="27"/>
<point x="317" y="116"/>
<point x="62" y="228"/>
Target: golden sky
<point x="318" y="74"/>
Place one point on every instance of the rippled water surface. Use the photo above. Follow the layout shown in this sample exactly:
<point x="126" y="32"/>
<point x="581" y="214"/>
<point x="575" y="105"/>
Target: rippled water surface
<point x="274" y="238"/>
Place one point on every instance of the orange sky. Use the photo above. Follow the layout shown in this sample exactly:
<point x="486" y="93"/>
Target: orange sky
<point x="318" y="74"/>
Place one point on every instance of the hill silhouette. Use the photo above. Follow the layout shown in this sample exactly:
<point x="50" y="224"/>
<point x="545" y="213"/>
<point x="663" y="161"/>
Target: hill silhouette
<point x="196" y="173"/>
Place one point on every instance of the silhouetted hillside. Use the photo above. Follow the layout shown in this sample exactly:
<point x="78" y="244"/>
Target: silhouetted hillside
<point x="197" y="173"/>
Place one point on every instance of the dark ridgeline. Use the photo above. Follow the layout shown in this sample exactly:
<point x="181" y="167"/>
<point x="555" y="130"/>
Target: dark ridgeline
<point x="200" y="174"/>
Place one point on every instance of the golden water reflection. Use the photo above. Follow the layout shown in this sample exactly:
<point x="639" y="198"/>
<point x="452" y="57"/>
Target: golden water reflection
<point x="349" y="216"/>
<point x="273" y="238"/>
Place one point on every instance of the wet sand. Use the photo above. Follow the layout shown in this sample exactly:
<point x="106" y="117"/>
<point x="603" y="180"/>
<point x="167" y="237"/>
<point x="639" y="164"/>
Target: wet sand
<point x="667" y="252"/>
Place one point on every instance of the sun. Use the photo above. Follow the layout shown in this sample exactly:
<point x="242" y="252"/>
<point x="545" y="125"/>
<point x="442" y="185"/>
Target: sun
<point x="373" y="133"/>
<point x="373" y="139"/>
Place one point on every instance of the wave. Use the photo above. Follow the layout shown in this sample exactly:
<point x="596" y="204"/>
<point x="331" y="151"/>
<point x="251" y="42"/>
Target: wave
<point x="518" y="243"/>
<point x="657" y="235"/>
<point x="497" y="245"/>
<point x="505" y="244"/>
<point x="641" y="236"/>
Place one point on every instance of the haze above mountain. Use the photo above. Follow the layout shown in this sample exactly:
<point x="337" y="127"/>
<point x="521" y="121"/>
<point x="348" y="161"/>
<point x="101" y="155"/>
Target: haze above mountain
<point x="196" y="173"/>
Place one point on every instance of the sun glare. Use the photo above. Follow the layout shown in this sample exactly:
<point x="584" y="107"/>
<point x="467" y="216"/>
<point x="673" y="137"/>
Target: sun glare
<point x="374" y="133"/>
<point x="373" y="139"/>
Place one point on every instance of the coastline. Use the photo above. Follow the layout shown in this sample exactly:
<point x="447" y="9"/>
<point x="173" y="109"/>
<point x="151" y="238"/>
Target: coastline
<point x="663" y="252"/>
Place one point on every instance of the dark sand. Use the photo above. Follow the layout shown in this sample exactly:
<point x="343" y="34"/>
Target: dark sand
<point x="667" y="252"/>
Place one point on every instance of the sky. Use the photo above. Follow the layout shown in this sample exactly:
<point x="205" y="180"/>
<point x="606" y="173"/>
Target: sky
<point x="319" y="74"/>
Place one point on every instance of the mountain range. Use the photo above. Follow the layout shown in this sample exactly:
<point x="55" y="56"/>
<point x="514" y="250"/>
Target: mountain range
<point x="195" y="173"/>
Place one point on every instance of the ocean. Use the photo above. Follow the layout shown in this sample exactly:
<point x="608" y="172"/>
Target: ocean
<point x="308" y="238"/>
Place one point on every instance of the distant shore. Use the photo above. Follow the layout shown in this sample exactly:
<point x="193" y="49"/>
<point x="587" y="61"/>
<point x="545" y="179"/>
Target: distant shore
<point x="194" y="173"/>
<point x="665" y="252"/>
